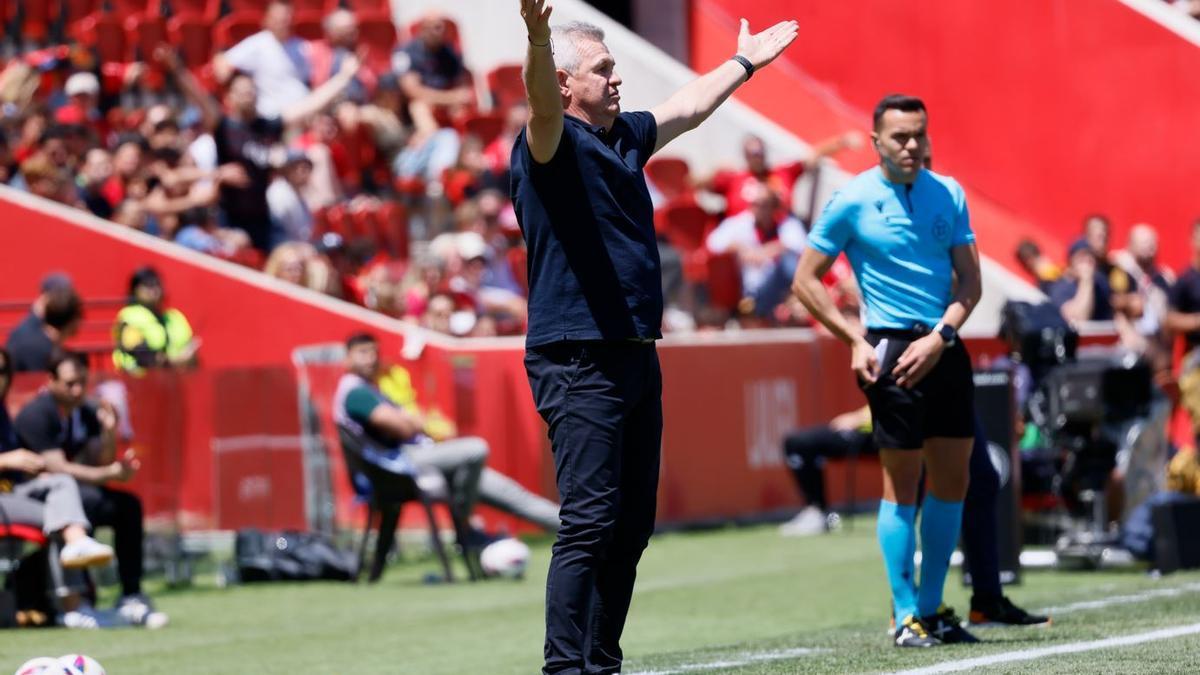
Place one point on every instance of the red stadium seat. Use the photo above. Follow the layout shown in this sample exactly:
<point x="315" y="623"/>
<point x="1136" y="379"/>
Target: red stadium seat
<point x="192" y="36"/>
<point x="485" y="126"/>
<point x="670" y="175"/>
<point x="208" y="9"/>
<point x="321" y="7"/>
<point x="368" y="5"/>
<point x="393" y="229"/>
<point x="307" y="24"/>
<point x="249" y="6"/>
<point x="235" y="27"/>
<point x="71" y="13"/>
<point x="106" y="35"/>
<point x="35" y="21"/>
<point x="724" y="280"/>
<point x="506" y="85"/>
<point x="685" y="224"/>
<point x="127" y="8"/>
<point x="378" y="33"/>
<point x="144" y="34"/>
<point x="337" y="220"/>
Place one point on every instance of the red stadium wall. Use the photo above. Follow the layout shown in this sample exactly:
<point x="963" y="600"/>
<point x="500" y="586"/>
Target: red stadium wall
<point x="1050" y="110"/>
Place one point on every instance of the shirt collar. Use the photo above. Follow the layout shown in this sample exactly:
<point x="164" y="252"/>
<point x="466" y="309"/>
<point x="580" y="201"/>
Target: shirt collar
<point x="594" y="129"/>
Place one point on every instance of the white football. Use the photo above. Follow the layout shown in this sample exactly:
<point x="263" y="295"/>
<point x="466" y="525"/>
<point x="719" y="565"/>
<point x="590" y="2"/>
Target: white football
<point x="44" y="665"/>
<point x="505" y="558"/>
<point x="36" y="666"/>
<point x="83" y="663"/>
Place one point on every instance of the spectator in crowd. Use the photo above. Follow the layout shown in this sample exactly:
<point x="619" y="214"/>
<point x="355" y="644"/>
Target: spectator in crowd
<point x="299" y="263"/>
<point x="498" y="153"/>
<point x="248" y="140"/>
<point x="97" y="169"/>
<point x="1082" y="293"/>
<point x="431" y="70"/>
<point x="806" y="450"/>
<point x="767" y="241"/>
<point x="324" y="56"/>
<point x="1152" y="283"/>
<point x="425" y="150"/>
<point x="41" y="177"/>
<point x="54" y="317"/>
<point x="395" y="439"/>
<point x="79" y="439"/>
<point x="83" y="94"/>
<point x="1043" y="270"/>
<point x="470" y="174"/>
<point x="148" y="334"/>
<point x="439" y="311"/>
<point x="738" y="187"/>
<point x="127" y="168"/>
<point x="1184" y="318"/>
<point x="503" y="237"/>
<point x="291" y="216"/>
<point x="1097" y="234"/>
<point x="30" y="495"/>
<point x="273" y="58"/>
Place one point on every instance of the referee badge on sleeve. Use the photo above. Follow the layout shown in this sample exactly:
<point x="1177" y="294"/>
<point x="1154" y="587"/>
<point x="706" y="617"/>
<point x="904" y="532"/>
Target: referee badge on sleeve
<point x="941" y="228"/>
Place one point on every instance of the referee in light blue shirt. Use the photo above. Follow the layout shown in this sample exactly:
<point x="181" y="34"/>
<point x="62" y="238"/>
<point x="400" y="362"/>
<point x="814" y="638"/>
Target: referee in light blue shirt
<point x="907" y="234"/>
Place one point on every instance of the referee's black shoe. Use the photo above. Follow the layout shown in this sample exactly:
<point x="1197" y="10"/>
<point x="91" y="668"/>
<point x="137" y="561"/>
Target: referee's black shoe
<point x="947" y="627"/>
<point x="1000" y="611"/>
<point x="912" y="633"/>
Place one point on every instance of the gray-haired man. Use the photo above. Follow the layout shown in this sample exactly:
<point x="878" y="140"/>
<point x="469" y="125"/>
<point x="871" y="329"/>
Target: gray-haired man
<point x="595" y="309"/>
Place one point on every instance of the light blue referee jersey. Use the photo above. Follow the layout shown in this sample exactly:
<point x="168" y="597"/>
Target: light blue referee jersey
<point x="897" y="238"/>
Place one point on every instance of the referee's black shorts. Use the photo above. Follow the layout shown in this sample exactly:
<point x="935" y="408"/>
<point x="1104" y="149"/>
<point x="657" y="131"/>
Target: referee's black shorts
<point x="942" y="405"/>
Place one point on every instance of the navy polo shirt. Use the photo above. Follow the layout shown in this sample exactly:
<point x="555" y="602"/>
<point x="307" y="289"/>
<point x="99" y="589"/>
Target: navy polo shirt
<point x="594" y="272"/>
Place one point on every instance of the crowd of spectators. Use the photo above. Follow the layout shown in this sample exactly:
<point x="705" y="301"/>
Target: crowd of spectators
<point x="1128" y="286"/>
<point x="383" y="181"/>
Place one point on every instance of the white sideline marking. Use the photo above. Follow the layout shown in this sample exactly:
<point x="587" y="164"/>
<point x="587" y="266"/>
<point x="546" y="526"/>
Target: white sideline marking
<point x="740" y="660"/>
<point x="1071" y="648"/>
<point x="1121" y="599"/>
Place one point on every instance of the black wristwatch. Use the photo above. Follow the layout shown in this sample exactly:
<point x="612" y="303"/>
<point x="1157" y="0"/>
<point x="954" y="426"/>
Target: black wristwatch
<point x="947" y="333"/>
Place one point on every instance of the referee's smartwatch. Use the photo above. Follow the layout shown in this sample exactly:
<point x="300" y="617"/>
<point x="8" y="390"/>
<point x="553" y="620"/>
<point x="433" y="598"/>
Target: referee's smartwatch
<point x="947" y="333"/>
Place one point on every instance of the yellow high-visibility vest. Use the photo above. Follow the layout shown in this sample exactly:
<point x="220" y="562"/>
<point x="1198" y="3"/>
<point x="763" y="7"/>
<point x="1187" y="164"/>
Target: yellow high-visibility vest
<point x="137" y="327"/>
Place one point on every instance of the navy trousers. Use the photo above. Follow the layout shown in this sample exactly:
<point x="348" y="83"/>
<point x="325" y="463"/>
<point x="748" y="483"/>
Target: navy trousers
<point x="603" y="404"/>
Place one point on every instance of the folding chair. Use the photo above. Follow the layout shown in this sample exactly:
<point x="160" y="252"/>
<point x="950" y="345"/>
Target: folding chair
<point x="385" y="493"/>
<point x="14" y="539"/>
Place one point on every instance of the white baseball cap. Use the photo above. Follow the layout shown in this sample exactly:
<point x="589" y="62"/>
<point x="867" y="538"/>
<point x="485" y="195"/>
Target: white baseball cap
<point x="82" y="83"/>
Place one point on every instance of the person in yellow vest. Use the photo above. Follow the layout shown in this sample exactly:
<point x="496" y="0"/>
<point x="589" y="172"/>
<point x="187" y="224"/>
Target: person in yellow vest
<point x="147" y="334"/>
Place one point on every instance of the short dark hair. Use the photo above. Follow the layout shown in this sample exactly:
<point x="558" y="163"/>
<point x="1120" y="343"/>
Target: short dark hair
<point x="6" y="366"/>
<point x="60" y="356"/>
<point x="143" y="276"/>
<point x="361" y="338"/>
<point x="63" y="307"/>
<point x="901" y="102"/>
<point x="1028" y="248"/>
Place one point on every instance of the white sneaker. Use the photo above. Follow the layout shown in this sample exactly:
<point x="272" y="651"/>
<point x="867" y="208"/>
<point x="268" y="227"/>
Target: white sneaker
<point x="85" y="552"/>
<point x="88" y="617"/>
<point x="808" y="522"/>
<point x="137" y="609"/>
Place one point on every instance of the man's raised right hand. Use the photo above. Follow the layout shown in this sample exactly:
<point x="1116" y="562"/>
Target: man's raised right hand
<point x="537" y="20"/>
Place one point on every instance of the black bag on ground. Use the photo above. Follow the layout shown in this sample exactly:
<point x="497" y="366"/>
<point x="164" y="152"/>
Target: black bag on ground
<point x="290" y="556"/>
